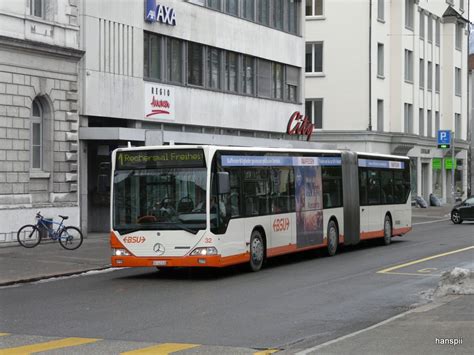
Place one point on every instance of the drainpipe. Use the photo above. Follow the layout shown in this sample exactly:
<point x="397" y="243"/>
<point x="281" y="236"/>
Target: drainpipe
<point x="370" y="66"/>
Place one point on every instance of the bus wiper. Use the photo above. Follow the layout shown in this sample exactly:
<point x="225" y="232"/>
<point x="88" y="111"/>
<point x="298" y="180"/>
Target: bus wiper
<point x="187" y="229"/>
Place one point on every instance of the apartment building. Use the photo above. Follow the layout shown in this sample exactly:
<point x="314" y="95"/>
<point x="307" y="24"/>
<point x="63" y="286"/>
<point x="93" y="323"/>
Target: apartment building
<point x="39" y="56"/>
<point x="196" y="71"/>
<point x="385" y="77"/>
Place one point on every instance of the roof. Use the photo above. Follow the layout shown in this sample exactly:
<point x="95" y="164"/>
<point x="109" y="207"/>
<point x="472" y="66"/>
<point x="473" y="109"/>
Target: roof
<point x="451" y="12"/>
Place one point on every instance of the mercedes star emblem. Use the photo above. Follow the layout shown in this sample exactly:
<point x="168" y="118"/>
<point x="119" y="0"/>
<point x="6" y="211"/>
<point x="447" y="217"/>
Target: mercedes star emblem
<point x="159" y="248"/>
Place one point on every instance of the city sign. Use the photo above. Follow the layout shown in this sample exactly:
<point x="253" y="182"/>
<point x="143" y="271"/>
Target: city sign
<point x="444" y="139"/>
<point x="159" y="13"/>
<point x="300" y="125"/>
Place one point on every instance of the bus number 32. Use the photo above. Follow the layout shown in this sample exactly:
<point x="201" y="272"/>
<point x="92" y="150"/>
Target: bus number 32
<point x="281" y="224"/>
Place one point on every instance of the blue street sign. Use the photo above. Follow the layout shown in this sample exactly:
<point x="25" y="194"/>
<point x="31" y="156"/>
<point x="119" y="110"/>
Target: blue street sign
<point x="444" y="139"/>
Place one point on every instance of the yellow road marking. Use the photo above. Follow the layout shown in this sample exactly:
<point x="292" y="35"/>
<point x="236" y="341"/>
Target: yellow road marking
<point x="50" y="345"/>
<point x="4" y="334"/>
<point x="427" y="270"/>
<point x="385" y="271"/>
<point x="162" y="349"/>
<point x="410" y="274"/>
<point x="266" y="352"/>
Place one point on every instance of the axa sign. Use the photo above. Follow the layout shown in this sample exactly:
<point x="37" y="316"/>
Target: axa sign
<point x="300" y="125"/>
<point x="159" y="13"/>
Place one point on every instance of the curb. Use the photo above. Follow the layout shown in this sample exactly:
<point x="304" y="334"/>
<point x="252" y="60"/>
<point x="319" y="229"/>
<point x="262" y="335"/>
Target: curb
<point x="46" y="277"/>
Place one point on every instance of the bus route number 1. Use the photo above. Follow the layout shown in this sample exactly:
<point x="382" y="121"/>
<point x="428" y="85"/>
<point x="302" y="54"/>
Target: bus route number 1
<point x="281" y="224"/>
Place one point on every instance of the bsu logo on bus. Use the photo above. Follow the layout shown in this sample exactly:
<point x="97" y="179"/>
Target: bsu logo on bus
<point x="281" y="224"/>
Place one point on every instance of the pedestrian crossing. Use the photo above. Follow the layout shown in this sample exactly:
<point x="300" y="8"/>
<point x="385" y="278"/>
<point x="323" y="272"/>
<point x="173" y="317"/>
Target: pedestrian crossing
<point x="15" y="344"/>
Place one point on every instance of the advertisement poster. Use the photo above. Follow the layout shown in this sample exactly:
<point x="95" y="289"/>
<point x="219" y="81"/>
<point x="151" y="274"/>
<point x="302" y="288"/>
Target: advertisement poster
<point x="309" y="206"/>
<point x="159" y="102"/>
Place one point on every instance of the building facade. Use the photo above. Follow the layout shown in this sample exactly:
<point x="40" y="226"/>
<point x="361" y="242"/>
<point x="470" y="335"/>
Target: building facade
<point x="39" y="92"/>
<point x="385" y="77"/>
<point x="197" y="71"/>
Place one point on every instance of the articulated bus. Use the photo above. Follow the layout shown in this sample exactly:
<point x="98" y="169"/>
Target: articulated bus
<point x="214" y="206"/>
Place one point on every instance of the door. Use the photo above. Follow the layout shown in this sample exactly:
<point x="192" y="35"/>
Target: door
<point x="467" y="209"/>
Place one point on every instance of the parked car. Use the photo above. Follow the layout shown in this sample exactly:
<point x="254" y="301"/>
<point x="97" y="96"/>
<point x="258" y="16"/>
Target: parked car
<point x="463" y="212"/>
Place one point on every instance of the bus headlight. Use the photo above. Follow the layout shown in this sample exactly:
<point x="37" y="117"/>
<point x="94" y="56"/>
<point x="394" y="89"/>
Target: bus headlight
<point x="120" y="252"/>
<point x="204" y="251"/>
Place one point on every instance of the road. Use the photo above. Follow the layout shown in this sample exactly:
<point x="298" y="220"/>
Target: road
<point x="296" y="302"/>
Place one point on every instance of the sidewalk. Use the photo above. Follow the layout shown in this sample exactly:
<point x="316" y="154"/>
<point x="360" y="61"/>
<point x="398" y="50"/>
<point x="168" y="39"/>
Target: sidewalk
<point x="442" y="327"/>
<point x="49" y="259"/>
<point x="431" y="212"/>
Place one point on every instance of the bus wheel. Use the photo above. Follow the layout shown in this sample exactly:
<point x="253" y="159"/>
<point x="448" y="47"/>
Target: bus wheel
<point x="387" y="230"/>
<point x="333" y="238"/>
<point x="257" y="251"/>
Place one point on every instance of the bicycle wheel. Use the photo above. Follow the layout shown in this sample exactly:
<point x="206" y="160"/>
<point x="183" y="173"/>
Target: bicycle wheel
<point x="29" y="236"/>
<point x="70" y="238"/>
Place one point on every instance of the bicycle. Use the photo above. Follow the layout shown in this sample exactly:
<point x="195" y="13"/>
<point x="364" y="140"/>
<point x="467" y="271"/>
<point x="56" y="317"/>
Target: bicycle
<point x="30" y="235"/>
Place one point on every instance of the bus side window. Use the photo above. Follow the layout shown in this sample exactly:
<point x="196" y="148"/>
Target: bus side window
<point x="363" y="186"/>
<point x="373" y="190"/>
<point x="387" y="186"/>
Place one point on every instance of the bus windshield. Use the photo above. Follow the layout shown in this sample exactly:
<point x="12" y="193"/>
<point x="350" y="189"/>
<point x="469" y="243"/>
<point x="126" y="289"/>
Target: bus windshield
<point x="159" y="199"/>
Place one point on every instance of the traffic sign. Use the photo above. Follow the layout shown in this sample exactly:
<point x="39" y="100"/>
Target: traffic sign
<point x="444" y="139"/>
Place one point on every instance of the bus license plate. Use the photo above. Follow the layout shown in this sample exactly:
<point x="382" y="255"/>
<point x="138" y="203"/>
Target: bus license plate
<point x="159" y="262"/>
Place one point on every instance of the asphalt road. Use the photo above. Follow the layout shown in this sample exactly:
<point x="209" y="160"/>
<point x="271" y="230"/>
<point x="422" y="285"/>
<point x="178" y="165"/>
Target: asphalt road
<point x="296" y="302"/>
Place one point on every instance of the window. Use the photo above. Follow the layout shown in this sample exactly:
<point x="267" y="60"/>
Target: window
<point x="248" y="9"/>
<point x="386" y="181"/>
<point x="373" y="187"/>
<point x="264" y="78"/>
<point x="314" y="57"/>
<point x="332" y="186"/>
<point x="422" y="25"/>
<point x="408" y="65"/>
<point x="314" y="7"/>
<point x="195" y="64"/>
<point x="437" y="78"/>
<point x="459" y="30"/>
<point x="421" y="122"/>
<point x="457" y="126"/>
<point x="380" y="10"/>
<point x="278" y="14"/>
<point x="277" y="81"/>
<point x="175" y="60"/>
<point x="214" y="68"/>
<point x="408" y="118"/>
<point x="36" y="8"/>
<point x="232" y="7"/>
<point x="292" y="16"/>
<point x="430" y="76"/>
<point x="422" y="74"/>
<point x="437" y="122"/>
<point x="461" y="5"/>
<point x="457" y="81"/>
<point x="438" y="32"/>
<point x="430" y="29"/>
<point x="409" y="12"/>
<point x="314" y="110"/>
<point x="152" y="47"/>
<point x="363" y="187"/>
<point x="36" y="136"/>
<point x="429" y="120"/>
<point x="263" y="12"/>
<point x="281" y="190"/>
<point x="292" y="83"/>
<point x="214" y="4"/>
<point x="380" y="60"/>
<point x="248" y="73"/>
<point x="231" y="69"/>
<point x="380" y="117"/>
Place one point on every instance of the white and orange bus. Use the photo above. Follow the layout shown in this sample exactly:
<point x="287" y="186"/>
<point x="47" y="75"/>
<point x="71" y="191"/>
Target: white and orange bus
<point x="214" y="206"/>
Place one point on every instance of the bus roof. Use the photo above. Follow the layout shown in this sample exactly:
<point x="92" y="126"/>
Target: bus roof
<point x="382" y="155"/>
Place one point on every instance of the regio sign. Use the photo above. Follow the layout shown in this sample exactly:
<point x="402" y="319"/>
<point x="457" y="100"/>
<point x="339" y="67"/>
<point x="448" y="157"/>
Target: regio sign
<point x="159" y="102"/>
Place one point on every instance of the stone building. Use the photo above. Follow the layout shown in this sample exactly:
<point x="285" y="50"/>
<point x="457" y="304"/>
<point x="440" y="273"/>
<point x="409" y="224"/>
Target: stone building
<point x="39" y="61"/>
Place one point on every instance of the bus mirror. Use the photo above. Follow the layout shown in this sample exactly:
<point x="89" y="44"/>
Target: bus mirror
<point x="223" y="182"/>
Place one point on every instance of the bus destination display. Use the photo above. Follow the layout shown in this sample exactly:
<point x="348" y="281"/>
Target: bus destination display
<point x="152" y="159"/>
